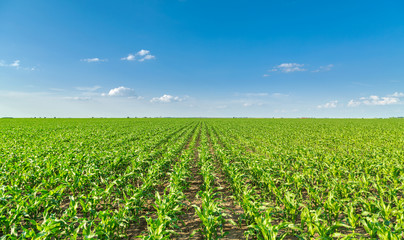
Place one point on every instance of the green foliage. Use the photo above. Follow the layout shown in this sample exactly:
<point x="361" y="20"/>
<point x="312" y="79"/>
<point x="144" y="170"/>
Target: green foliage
<point x="100" y="178"/>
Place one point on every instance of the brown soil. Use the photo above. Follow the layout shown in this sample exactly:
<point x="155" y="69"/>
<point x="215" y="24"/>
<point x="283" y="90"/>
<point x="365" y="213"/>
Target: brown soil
<point x="190" y="223"/>
<point x="232" y="210"/>
<point x="140" y="228"/>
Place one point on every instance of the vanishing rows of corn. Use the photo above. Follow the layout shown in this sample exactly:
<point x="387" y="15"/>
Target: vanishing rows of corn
<point x="120" y="178"/>
<point x="322" y="179"/>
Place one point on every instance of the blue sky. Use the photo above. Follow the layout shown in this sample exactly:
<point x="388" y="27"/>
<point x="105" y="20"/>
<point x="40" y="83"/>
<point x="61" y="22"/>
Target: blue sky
<point x="285" y="58"/>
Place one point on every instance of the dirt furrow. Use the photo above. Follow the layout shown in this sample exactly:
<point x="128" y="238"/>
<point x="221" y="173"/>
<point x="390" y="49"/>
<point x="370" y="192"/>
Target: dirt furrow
<point x="190" y="222"/>
<point x="140" y="227"/>
<point x="232" y="210"/>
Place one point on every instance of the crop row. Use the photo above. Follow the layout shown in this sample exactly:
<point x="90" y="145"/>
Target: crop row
<point x="131" y="178"/>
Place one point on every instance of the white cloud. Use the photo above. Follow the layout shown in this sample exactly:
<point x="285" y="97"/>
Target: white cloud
<point x="289" y="67"/>
<point x="278" y="95"/>
<point x="136" y="97"/>
<point x="140" y="56"/>
<point x="250" y="104"/>
<point x="297" y="67"/>
<point x="353" y="103"/>
<point x="147" y="57"/>
<point x="398" y="94"/>
<point x="88" y="89"/>
<point x="90" y="60"/>
<point x="120" y="92"/>
<point x="332" y="104"/>
<point x="130" y="57"/>
<point x="143" y="52"/>
<point x="57" y="89"/>
<point x="15" y="64"/>
<point x="324" y="68"/>
<point x="167" y="98"/>
<point x="374" y="100"/>
<point x="266" y="75"/>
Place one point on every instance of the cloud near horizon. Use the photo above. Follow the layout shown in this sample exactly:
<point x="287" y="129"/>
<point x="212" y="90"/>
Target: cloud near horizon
<point x="261" y="94"/>
<point x="398" y="94"/>
<point x="331" y="104"/>
<point x="166" y="98"/>
<point x="374" y="100"/>
<point x="88" y="89"/>
<point x="78" y="98"/>
<point x="120" y="92"/>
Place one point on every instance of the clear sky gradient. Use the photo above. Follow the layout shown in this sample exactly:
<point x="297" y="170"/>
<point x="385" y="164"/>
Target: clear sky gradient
<point x="191" y="58"/>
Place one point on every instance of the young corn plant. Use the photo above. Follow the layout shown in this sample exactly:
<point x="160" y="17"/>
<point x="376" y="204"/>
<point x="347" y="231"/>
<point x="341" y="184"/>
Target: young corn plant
<point x="352" y="218"/>
<point x="210" y="212"/>
<point x="291" y="206"/>
<point x="211" y="215"/>
<point x="263" y="228"/>
<point x="169" y="205"/>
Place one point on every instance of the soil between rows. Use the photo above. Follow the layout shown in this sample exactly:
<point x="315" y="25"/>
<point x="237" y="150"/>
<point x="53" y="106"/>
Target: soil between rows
<point x="190" y="222"/>
<point x="140" y="228"/>
<point x="232" y="210"/>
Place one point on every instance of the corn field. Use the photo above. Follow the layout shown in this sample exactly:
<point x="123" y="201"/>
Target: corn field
<point x="202" y="179"/>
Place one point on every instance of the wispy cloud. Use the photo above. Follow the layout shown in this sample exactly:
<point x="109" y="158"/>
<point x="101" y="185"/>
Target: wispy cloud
<point x="120" y="92"/>
<point x="147" y="57"/>
<point x="78" y="98"/>
<point x="353" y="103"/>
<point x="166" y="98"/>
<point x="57" y="89"/>
<point x="331" y="104"/>
<point x="259" y="94"/>
<point x="140" y="56"/>
<point x="16" y="64"/>
<point x="92" y="60"/>
<point x="88" y="89"/>
<point x="398" y="94"/>
<point x="374" y="100"/>
<point x="324" y="68"/>
<point x="297" y="67"/>
<point x="289" y="67"/>
<point x="250" y="104"/>
<point x="266" y="75"/>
